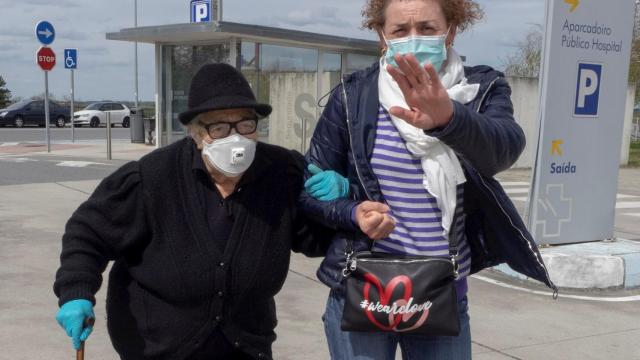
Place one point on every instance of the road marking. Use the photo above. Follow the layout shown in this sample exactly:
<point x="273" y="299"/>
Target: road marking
<point x="514" y="183"/>
<point x="632" y="214"/>
<point x="627" y="205"/>
<point x="9" y="144"/>
<point x="623" y="196"/>
<point x="512" y="188"/>
<point x="517" y="191"/>
<point x="550" y="294"/>
<point x="619" y="204"/>
<point x="78" y="164"/>
<point x="17" y="160"/>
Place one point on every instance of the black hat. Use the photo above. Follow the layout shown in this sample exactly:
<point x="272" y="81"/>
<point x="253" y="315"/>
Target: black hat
<point x="220" y="87"/>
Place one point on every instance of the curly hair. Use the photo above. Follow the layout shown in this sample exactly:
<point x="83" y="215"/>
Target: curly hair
<point x="463" y="13"/>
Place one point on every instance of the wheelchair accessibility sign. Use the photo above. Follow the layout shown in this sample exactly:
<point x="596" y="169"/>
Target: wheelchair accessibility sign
<point x="71" y="59"/>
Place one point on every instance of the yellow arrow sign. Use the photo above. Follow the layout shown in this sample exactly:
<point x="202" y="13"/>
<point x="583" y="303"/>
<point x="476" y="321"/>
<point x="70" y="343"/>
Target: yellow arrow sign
<point x="574" y="4"/>
<point x="555" y="147"/>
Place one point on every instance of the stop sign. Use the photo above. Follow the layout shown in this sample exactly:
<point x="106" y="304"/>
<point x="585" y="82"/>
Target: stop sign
<point x="46" y="58"/>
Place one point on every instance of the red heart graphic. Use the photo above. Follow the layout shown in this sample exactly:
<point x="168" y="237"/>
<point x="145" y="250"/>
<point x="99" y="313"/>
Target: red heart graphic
<point x="407" y="316"/>
<point x="385" y="296"/>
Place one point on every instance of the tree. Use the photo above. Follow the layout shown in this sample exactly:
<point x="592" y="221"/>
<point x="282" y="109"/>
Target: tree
<point x="5" y="94"/>
<point x="634" y="66"/>
<point x="41" y="97"/>
<point x="525" y="61"/>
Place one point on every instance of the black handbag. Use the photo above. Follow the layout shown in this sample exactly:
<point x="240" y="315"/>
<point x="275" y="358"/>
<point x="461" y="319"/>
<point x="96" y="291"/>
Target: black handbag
<point x="400" y="294"/>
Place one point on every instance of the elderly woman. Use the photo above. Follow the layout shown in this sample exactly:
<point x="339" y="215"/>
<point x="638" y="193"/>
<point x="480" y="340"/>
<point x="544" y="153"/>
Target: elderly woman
<point x="419" y="138"/>
<point x="200" y="232"/>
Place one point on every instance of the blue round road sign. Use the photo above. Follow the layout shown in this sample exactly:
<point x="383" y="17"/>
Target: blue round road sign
<point x="45" y="32"/>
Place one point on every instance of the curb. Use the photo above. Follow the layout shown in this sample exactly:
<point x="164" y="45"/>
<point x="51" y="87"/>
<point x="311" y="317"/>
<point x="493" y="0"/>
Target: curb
<point x="596" y="265"/>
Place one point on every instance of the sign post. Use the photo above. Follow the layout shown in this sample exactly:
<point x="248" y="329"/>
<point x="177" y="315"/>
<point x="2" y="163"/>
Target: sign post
<point x="583" y="97"/>
<point x="71" y="63"/>
<point x="46" y="59"/>
<point x="109" y="157"/>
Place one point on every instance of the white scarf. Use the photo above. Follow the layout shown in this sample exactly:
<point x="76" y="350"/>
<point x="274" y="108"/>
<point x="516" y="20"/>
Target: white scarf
<point x="442" y="170"/>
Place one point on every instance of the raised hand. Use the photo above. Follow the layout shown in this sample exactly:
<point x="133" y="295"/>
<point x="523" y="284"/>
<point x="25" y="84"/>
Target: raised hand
<point x="429" y="104"/>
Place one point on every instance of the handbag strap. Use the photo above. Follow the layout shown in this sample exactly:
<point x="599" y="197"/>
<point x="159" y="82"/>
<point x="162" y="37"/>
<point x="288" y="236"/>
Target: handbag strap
<point x="453" y="250"/>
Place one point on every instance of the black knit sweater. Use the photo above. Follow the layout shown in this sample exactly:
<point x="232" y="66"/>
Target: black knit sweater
<point x="168" y="291"/>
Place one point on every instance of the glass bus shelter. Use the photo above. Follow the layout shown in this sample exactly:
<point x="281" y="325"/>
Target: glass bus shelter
<point x="291" y="70"/>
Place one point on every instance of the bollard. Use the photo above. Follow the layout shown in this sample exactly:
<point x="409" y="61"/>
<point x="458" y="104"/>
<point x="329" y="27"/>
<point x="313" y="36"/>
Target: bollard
<point x="108" y="135"/>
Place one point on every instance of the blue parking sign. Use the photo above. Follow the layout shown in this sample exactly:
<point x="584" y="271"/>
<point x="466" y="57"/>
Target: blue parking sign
<point x="71" y="59"/>
<point x="200" y="11"/>
<point x="588" y="89"/>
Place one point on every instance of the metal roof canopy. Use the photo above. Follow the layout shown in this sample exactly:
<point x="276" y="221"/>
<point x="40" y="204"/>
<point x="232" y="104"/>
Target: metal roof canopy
<point x="223" y="30"/>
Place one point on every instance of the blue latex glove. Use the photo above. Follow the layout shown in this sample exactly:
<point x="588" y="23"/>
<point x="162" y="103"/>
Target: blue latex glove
<point x="71" y="317"/>
<point x="326" y="185"/>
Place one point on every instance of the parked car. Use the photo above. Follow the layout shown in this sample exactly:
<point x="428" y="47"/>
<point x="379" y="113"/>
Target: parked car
<point x="31" y="112"/>
<point x="95" y="115"/>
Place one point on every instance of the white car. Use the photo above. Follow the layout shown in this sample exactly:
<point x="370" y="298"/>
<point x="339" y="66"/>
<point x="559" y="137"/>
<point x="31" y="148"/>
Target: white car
<point x="95" y="115"/>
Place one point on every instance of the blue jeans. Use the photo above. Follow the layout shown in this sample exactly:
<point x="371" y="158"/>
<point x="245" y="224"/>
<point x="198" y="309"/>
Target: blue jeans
<point x="347" y="345"/>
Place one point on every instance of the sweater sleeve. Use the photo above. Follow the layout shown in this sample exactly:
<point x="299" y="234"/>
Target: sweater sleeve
<point x="111" y="224"/>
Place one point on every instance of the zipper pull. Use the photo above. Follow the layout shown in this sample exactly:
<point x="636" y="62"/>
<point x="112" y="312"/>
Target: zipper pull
<point x="456" y="273"/>
<point x="349" y="265"/>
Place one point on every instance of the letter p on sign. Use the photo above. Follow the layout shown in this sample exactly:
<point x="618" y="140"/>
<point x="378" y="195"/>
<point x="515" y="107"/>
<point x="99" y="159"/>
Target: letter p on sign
<point x="588" y="90"/>
<point x="200" y="11"/>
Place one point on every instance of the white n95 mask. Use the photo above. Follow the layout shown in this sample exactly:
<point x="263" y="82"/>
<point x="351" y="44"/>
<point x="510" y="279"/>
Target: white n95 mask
<point x="232" y="155"/>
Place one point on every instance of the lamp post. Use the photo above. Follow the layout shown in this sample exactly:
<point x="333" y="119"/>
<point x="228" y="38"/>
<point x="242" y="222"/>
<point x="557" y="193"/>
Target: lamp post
<point x="135" y="24"/>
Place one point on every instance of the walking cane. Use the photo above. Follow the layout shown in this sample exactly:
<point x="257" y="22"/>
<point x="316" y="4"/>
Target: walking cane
<point x="80" y="353"/>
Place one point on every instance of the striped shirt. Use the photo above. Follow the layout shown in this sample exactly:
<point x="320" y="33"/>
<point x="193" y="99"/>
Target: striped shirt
<point x="418" y="218"/>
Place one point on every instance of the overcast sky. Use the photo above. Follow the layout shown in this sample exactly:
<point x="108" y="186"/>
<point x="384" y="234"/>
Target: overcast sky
<point x="106" y="67"/>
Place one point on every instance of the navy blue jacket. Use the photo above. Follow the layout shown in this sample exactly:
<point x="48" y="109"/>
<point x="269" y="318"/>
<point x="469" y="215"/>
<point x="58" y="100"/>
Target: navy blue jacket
<point x="484" y="135"/>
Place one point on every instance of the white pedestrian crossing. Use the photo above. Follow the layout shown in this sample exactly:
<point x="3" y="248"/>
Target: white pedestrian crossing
<point x="623" y="196"/>
<point x="516" y="190"/>
<point x="17" y="159"/>
<point x="628" y="205"/>
<point x="78" y="164"/>
<point x="514" y="183"/>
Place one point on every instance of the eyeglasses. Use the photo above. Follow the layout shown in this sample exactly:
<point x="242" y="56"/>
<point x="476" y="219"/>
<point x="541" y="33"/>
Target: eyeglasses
<point x="221" y="130"/>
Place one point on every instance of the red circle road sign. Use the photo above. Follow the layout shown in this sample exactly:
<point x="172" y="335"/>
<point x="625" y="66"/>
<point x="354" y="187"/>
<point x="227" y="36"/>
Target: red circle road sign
<point x="46" y="58"/>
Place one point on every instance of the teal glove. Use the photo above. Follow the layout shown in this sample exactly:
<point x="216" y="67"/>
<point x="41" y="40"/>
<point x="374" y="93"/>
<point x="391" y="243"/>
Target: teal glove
<point x="326" y="185"/>
<point x="71" y="317"/>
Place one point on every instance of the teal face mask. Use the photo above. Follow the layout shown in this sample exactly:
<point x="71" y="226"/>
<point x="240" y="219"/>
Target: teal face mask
<point x="427" y="49"/>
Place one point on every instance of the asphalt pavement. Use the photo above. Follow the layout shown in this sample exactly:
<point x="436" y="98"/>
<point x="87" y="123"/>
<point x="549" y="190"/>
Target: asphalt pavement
<point x="509" y="319"/>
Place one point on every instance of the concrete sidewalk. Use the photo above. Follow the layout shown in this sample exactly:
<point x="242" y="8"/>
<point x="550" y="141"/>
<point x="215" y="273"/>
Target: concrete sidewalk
<point x="509" y="321"/>
<point x="93" y="149"/>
